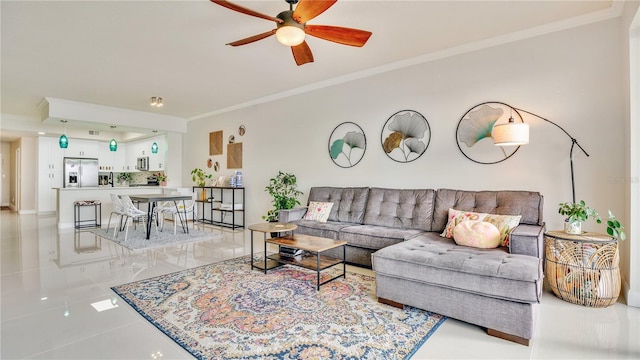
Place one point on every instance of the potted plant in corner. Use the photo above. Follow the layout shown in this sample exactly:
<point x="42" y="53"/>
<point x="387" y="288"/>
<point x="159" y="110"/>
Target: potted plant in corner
<point x="577" y="213"/>
<point x="284" y="194"/>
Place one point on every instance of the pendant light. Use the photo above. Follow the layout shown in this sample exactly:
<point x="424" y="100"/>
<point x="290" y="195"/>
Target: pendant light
<point x="64" y="140"/>
<point x="113" y="144"/>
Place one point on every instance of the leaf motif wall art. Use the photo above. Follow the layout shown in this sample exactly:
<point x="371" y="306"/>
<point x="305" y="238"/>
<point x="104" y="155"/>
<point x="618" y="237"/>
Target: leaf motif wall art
<point x="473" y="133"/>
<point x="406" y="136"/>
<point x="347" y="144"/>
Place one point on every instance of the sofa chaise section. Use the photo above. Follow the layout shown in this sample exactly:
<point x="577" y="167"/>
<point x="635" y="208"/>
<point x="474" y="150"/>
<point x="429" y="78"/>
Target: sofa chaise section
<point x="498" y="289"/>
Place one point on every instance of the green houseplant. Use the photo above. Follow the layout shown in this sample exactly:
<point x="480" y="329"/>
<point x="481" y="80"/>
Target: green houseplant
<point x="199" y="176"/>
<point x="125" y="177"/>
<point x="577" y="213"/>
<point x="284" y="194"/>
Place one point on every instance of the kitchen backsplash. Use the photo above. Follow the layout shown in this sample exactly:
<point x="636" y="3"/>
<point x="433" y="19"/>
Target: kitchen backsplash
<point x="140" y="177"/>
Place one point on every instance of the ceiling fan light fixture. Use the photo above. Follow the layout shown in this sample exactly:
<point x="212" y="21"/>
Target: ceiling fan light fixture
<point x="290" y="35"/>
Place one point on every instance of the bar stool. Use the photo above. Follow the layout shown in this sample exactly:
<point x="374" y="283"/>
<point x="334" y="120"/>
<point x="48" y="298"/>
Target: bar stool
<point x="87" y="223"/>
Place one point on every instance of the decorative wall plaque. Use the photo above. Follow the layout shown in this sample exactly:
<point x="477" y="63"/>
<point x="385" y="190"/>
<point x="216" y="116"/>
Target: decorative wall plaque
<point x="215" y="143"/>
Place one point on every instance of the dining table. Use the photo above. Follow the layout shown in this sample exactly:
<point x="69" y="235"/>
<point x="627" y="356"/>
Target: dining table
<point x="153" y="200"/>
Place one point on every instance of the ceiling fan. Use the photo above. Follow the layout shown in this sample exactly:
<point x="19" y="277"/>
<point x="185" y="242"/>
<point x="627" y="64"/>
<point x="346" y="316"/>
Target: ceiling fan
<point x="291" y="27"/>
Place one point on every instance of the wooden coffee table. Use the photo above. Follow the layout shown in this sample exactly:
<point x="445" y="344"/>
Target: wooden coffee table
<point x="314" y="261"/>
<point x="269" y="228"/>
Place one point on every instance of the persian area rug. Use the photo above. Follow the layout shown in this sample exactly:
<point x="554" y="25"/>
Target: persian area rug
<point x="136" y="239"/>
<point x="228" y="311"/>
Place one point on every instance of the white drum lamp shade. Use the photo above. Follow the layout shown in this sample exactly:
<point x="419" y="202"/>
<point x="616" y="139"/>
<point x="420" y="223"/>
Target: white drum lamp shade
<point x="510" y="134"/>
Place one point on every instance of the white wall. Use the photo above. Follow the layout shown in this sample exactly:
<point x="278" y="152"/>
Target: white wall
<point x="572" y="77"/>
<point x="547" y="75"/>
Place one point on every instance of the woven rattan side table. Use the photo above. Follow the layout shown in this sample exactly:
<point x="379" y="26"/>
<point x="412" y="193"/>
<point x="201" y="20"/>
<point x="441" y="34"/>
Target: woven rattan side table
<point x="583" y="269"/>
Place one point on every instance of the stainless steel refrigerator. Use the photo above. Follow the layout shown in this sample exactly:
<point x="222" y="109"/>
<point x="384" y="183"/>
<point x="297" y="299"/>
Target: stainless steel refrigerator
<point x="80" y="172"/>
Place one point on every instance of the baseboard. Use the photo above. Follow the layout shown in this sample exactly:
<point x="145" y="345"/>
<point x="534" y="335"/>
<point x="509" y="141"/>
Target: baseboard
<point x="632" y="297"/>
<point x="27" y="212"/>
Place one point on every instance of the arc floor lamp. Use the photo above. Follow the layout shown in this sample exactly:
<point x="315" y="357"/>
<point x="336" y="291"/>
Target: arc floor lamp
<point x="513" y="133"/>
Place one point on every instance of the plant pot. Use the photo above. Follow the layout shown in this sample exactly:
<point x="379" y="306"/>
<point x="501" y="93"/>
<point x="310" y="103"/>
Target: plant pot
<point x="163" y="183"/>
<point x="573" y="227"/>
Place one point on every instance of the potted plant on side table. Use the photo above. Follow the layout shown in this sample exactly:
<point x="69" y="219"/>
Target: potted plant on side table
<point x="200" y="178"/>
<point x="577" y="213"/>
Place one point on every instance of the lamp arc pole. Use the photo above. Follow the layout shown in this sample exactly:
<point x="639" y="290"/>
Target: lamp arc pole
<point x="574" y="142"/>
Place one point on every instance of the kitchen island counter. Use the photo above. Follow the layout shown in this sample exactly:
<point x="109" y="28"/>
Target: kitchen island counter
<point x="67" y="196"/>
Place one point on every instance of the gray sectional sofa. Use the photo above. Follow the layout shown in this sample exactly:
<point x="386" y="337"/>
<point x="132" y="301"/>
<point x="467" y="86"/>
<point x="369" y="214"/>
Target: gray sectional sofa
<point x="396" y="232"/>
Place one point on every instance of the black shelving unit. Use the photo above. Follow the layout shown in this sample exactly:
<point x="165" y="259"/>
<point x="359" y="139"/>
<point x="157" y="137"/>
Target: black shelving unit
<point x="212" y="201"/>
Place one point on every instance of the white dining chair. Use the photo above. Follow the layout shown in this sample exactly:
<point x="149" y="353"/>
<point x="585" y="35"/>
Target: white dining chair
<point x="177" y="209"/>
<point x="118" y="210"/>
<point x="131" y="212"/>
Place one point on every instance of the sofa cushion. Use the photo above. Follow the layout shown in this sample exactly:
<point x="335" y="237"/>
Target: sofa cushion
<point x="329" y="229"/>
<point x="456" y="217"/>
<point x="318" y="211"/>
<point x="348" y="203"/>
<point x="431" y="259"/>
<point x="478" y="234"/>
<point x="505" y="202"/>
<point x="375" y="237"/>
<point x="401" y="209"/>
<point x="505" y="224"/>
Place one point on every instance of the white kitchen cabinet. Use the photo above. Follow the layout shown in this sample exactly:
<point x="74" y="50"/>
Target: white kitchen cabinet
<point x="156" y="161"/>
<point x="142" y="148"/>
<point x="111" y="160"/>
<point x="82" y="148"/>
<point x="105" y="156"/>
<point x="119" y="158"/>
<point x="50" y="173"/>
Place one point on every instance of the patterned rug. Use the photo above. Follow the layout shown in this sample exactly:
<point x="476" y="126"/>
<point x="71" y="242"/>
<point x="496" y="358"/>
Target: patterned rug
<point x="227" y="311"/>
<point x="136" y="239"/>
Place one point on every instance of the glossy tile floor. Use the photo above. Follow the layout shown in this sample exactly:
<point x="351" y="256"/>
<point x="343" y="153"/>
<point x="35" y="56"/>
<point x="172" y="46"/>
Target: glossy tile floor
<point x="50" y="280"/>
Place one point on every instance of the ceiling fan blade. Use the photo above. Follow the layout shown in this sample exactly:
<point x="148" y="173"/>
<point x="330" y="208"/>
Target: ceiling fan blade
<point x="341" y="35"/>
<point x="244" y="10"/>
<point x="302" y="53"/>
<point x="308" y="9"/>
<point x="253" y="38"/>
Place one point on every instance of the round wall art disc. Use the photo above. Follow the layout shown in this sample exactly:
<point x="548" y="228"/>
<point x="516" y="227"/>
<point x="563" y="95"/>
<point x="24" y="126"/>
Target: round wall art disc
<point x="347" y="144"/>
<point x="473" y="133"/>
<point x="405" y="136"/>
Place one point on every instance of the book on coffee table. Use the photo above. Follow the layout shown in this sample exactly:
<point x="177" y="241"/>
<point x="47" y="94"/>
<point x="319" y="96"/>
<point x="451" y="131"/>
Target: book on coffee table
<point x="290" y="252"/>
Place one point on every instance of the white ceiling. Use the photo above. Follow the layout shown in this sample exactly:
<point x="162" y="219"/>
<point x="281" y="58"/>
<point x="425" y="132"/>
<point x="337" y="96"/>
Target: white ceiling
<point x="120" y="53"/>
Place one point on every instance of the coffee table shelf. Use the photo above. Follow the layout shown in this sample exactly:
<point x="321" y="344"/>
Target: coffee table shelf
<point x="309" y="261"/>
<point x="313" y="245"/>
